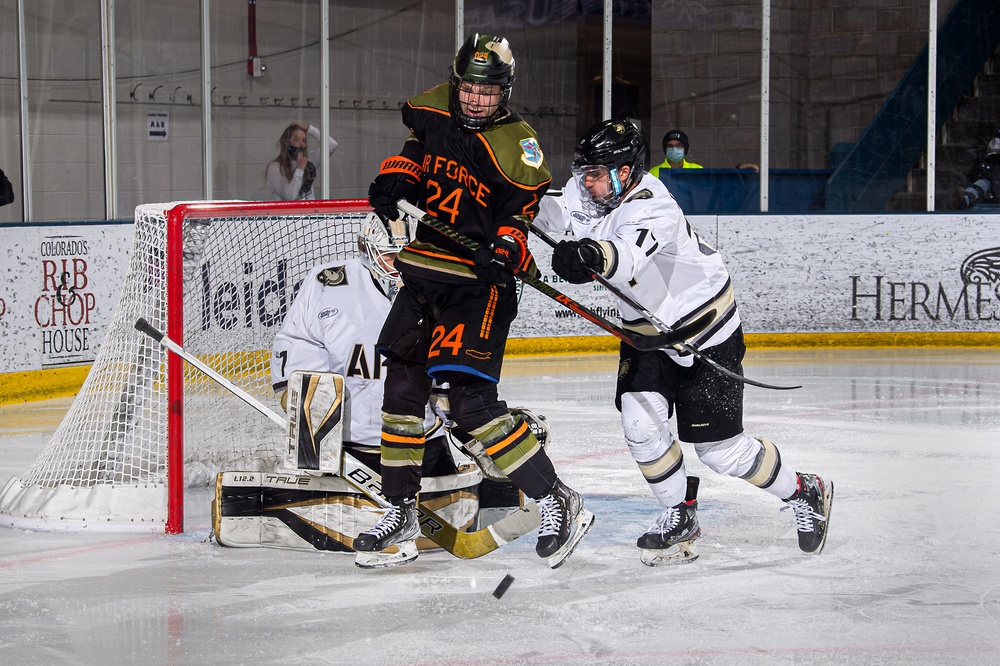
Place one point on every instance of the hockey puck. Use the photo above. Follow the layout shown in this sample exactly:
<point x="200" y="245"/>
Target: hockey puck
<point x="502" y="587"/>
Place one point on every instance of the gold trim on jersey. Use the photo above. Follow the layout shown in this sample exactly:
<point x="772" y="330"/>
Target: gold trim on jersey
<point x="721" y="307"/>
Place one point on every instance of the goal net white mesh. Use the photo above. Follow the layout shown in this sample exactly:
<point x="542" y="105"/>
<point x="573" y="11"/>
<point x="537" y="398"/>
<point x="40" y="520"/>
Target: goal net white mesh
<point x="240" y="265"/>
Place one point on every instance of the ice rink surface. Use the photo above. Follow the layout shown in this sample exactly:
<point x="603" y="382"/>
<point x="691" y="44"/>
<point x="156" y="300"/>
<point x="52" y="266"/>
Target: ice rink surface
<point x="910" y="573"/>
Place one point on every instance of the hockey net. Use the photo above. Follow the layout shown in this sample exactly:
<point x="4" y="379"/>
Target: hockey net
<point x="217" y="277"/>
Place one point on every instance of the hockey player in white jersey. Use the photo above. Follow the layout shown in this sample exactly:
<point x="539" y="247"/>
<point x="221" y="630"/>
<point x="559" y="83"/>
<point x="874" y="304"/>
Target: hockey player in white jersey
<point x="622" y="223"/>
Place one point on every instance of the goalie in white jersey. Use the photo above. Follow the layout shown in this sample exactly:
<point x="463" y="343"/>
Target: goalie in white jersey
<point x="332" y="326"/>
<point x="624" y="225"/>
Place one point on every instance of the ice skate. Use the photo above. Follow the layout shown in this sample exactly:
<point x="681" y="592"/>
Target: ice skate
<point x="564" y="522"/>
<point x="392" y="541"/>
<point x="811" y="503"/>
<point x="671" y="539"/>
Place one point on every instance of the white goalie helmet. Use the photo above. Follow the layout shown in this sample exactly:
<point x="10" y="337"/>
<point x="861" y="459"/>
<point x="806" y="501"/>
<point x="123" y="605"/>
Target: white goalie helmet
<point x="380" y="243"/>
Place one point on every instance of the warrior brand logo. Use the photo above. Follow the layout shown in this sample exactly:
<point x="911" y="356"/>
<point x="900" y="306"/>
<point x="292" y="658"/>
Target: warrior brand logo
<point x="978" y="298"/>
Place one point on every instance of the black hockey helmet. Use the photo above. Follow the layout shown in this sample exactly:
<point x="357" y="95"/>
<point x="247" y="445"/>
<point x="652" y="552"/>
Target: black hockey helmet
<point x="485" y="59"/>
<point x="611" y="144"/>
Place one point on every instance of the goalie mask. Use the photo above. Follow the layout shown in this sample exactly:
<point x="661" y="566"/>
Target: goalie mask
<point x="481" y="80"/>
<point x="379" y="249"/>
<point x="598" y="158"/>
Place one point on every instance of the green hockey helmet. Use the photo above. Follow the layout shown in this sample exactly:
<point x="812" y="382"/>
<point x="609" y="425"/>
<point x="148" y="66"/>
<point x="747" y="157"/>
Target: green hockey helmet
<point x="482" y="59"/>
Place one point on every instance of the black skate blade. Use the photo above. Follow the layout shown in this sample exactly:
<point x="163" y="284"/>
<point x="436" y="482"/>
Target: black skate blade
<point x="403" y="552"/>
<point x="583" y="521"/>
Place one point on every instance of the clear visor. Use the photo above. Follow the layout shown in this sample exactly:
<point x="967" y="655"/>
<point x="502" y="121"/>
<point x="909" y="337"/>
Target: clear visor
<point x="590" y="171"/>
<point x="600" y="182"/>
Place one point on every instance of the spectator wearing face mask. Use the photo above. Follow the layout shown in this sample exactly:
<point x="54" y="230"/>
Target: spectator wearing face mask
<point x="291" y="174"/>
<point x="675" y="149"/>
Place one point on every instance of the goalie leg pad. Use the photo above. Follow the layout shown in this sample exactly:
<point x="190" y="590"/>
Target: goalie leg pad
<point x="325" y="513"/>
<point x="297" y="512"/>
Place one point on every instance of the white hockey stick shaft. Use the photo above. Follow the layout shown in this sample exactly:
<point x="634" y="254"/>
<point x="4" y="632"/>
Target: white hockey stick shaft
<point x="144" y="326"/>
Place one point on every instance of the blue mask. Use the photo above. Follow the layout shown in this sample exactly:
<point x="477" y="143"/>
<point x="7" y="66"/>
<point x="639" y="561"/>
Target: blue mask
<point x="675" y="154"/>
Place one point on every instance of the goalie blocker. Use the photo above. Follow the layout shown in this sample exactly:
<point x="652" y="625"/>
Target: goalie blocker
<point x="310" y="507"/>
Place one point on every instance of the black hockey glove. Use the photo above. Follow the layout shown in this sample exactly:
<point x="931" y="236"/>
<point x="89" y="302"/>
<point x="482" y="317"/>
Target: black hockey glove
<point x="488" y="269"/>
<point x="494" y="264"/>
<point x="398" y="178"/>
<point x="574" y="261"/>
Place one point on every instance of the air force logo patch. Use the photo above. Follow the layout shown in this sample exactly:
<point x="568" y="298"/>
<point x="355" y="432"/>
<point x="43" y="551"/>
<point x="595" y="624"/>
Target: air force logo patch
<point x="332" y="276"/>
<point x="532" y="155"/>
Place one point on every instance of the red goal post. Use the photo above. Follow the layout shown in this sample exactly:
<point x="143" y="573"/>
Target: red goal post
<point x="218" y="278"/>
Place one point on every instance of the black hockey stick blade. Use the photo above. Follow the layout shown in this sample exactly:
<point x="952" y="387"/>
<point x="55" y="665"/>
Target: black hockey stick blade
<point x="638" y="340"/>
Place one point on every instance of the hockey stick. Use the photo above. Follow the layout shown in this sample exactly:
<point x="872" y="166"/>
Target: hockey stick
<point x="467" y="545"/>
<point x="637" y="340"/>
<point x="658" y="323"/>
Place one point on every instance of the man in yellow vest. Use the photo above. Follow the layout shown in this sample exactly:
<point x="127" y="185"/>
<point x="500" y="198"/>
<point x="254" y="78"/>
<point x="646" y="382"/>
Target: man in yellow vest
<point x="675" y="148"/>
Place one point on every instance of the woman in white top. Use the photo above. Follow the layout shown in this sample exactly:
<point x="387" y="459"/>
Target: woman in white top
<point x="292" y="172"/>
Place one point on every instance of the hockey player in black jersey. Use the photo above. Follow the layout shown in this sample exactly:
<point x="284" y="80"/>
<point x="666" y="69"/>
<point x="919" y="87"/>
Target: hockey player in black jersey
<point x="474" y="163"/>
<point x="627" y="228"/>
